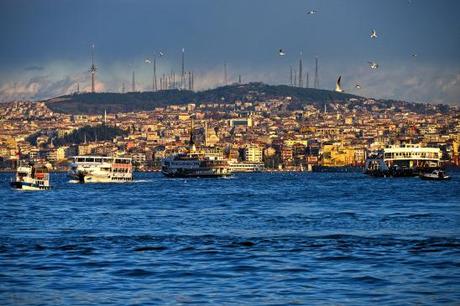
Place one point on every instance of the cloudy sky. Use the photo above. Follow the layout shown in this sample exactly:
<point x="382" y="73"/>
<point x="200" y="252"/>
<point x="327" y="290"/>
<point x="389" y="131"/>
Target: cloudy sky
<point x="45" y="44"/>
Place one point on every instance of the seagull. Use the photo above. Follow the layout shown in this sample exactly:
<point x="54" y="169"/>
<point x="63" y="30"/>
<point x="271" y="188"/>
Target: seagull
<point x="312" y="12"/>
<point x="414" y="55"/>
<point x="338" y="86"/>
<point x="373" y="65"/>
<point x="282" y="53"/>
<point x="148" y="61"/>
<point x="161" y="53"/>
<point x="373" y="34"/>
<point x="357" y="86"/>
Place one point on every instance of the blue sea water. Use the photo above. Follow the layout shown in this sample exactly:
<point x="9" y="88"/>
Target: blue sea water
<point x="265" y="238"/>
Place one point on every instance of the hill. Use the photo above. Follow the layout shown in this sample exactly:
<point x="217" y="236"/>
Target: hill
<point x="96" y="103"/>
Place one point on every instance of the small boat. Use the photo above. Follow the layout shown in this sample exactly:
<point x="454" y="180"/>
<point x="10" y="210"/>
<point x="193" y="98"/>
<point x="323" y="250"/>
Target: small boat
<point x="436" y="175"/>
<point x="31" y="177"/>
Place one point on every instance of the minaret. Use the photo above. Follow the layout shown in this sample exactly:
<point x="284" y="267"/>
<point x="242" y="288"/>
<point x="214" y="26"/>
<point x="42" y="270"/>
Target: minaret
<point x="92" y="70"/>
<point x="239" y="79"/>
<point x="192" y="143"/>
<point x="225" y="74"/>
<point x="206" y="133"/>
<point x="308" y="81"/>
<point x="105" y="116"/>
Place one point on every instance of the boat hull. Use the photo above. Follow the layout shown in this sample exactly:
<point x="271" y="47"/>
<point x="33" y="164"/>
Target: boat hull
<point x="87" y="178"/>
<point x="28" y="186"/>
<point x="192" y="174"/>
<point x="432" y="178"/>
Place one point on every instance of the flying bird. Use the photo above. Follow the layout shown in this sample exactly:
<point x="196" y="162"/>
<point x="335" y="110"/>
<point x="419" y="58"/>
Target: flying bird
<point x="338" y="86"/>
<point x="373" y="65"/>
<point x="373" y="34"/>
<point x="282" y="53"/>
<point x="148" y="61"/>
<point x="312" y="12"/>
<point x="161" y="53"/>
<point x="414" y="55"/>
<point x="357" y="86"/>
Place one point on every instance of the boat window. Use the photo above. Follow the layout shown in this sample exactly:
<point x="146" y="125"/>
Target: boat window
<point x="80" y="159"/>
<point x="98" y="160"/>
<point x="90" y="159"/>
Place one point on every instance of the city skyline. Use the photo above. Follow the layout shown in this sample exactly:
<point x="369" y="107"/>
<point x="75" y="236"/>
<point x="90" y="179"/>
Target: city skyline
<point x="417" y="48"/>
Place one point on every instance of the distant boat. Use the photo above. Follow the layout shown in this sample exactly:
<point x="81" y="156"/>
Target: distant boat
<point x="31" y="177"/>
<point x="236" y="166"/>
<point x="194" y="165"/>
<point x="101" y="169"/>
<point x="436" y="175"/>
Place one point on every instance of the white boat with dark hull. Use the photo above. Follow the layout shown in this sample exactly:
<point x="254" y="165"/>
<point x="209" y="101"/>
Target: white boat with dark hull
<point x="194" y="165"/>
<point x="101" y="169"/>
<point x="31" y="177"/>
<point x="406" y="160"/>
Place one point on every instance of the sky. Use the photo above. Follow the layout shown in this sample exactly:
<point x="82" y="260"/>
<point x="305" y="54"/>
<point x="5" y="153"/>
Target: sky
<point x="45" y="44"/>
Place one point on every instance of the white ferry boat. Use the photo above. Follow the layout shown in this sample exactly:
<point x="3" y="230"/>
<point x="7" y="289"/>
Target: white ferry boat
<point x="405" y="160"/>
<point x="101" y="169"/>
<point x="236" y="166"/>
<point x="31" y="177"/>
<point x="194" y="165"/>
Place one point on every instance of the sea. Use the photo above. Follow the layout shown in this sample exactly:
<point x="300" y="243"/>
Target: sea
<point x="250" y="239"/>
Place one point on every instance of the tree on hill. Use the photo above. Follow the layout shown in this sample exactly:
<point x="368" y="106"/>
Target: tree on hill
<point x="90" y="133"/>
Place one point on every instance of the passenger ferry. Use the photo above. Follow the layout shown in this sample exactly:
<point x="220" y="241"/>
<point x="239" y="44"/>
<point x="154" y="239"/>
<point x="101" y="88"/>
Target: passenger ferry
<point x="236" y="166"/>
<point x="31" y="177"/>
<point x="405" y="160"/>
<point x="101" y="169"/>
<point x="194" y="165"/>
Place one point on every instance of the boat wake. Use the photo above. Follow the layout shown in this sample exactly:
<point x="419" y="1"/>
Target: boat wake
<point x="142" y="181"/>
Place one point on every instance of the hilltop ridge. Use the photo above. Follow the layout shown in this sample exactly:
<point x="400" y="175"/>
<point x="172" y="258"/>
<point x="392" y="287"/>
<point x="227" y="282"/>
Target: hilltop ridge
<point x="97" y="103"/>
<point x="90" y="103"/>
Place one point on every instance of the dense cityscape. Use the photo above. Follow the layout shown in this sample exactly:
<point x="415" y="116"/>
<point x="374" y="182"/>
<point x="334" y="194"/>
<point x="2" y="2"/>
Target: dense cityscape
<point x="265" y="133"/>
